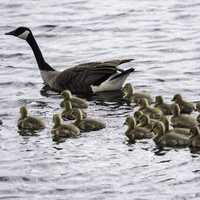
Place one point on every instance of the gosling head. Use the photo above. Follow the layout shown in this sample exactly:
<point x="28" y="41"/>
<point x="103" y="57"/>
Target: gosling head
<point x="23" y="112"/>
<point x="66" y="95"/>
<point x="159" y="100"/>
<point x="57" y="120"/>
<point x="177" y="98"/>
<point x="21" y="32"/>
<point x="130" y="122"/>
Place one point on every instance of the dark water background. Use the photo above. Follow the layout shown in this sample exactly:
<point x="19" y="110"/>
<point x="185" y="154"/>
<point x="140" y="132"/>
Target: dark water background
<point x="164" y="39"/>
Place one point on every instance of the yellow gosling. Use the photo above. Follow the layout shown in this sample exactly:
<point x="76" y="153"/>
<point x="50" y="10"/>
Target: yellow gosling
<point x="164" y="107"/>
<point x="185" y="107"/>
<point x="182" y="120"/>
<point x="154" y="113"/>
<point x="130" y="95"/>
<point x="170" y="138"/>
<point x="76" y="101"/>
<point x="87" y="124"/>
<point x="61" y="130"/>
<point x="69" y="112"/>
<point x="134" y="132"/>
<point x="26" y="122"/>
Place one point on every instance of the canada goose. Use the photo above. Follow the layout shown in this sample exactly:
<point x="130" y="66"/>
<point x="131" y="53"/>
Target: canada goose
<point x="75" y="101"/>
<point x="168" y="138"/>
<point x="69" y="112"/>
<point x="195" y="137"/>
<point x="185" y="107"/>
<point x="130" y="95"/>
<point x="63" y="130"/>
<point x="164" y="107"/>
<point x="87" y="124"/>
<point x="82" y="79"/>
<point x="154" y="113"/>
<point x="182" y="120"/>
<point x="134" y="132"/>
<point x="28" y="122"/>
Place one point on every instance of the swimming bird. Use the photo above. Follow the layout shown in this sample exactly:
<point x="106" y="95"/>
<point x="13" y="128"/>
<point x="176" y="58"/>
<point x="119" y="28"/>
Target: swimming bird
<point x="164" y="107"/>
<point x="69" y="112"/>
<point x="75" y="101"/>
<point x="185" y="107"/>
<point x="168" y="138"/>
<point x="26" y="122"/>
<point x="195" y="137"/>
<point x="130" y="95"/>
<point x="182" y="120"/>
<point x="61" y="130"/>
<point x="87" y="124"/>
<point x="154" y="113"/>
<point x="85" y="78"/>
<point x="135" y="132"/>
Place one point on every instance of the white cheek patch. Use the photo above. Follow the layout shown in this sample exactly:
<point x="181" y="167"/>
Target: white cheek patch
<point x="24" y="35"/>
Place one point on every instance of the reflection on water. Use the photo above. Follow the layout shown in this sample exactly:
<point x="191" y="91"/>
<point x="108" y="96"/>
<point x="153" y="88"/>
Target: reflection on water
<point x="162" y="37"/>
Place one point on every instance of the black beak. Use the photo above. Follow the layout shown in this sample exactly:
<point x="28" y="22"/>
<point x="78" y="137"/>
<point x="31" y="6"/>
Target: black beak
<point x="10" y="33"/>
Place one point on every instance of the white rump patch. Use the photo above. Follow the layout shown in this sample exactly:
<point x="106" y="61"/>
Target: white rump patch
<point x="24" y="35"/>
<point x="110" y="85"/>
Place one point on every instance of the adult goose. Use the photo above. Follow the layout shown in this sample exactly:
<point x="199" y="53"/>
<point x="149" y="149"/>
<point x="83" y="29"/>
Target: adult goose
<point x="85" y="78"/>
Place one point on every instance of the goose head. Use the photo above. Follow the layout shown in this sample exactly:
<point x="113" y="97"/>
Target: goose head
<point x="158" y="128"/>
<point x="66" y="94"/>
<point x="176" y="110"/>
<point x="21" y="32"/>
<point x="23" y="112"/>
<point x="159" y="100"/>
<point x="177" y="98"/>
<point x="57" y="120"/>
<point x="67" y="105"/>
<point x="130" y="122"/>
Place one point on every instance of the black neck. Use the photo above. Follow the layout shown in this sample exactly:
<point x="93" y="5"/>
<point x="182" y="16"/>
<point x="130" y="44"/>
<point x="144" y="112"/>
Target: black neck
<point x="38" y="54"/>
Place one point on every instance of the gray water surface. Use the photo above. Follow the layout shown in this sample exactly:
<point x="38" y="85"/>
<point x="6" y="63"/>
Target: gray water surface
<point x="164" y="39"/>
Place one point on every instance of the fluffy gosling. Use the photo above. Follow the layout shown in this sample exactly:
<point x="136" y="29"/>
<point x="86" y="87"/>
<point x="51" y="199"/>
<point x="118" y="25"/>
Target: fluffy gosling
<point x="61" y="130"/>
<point x="130" y="95"/>
<point x="185" y="107"/>
<point x="134" y="132"/>
<point x="76" y="101"/>
<point x="182" y="120"/>
<point x="87" y="124"/>
<point x="26" y="122"/>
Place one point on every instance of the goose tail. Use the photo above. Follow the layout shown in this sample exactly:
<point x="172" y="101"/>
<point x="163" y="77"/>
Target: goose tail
<point x="114" y="82"/>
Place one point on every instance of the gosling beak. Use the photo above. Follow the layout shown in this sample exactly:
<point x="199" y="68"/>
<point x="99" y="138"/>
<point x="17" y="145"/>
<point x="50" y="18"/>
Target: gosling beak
<point x="125" y="123"/>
